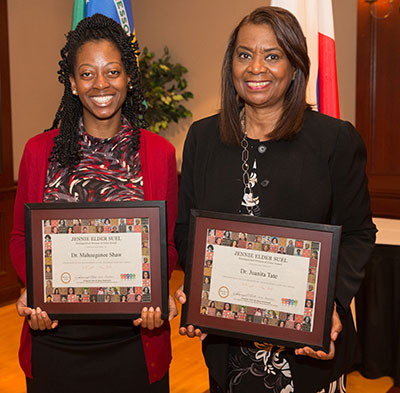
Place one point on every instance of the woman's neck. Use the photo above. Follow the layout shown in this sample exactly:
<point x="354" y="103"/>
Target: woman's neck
<point x="260" y="122"/>
<point x="105" y="128"/>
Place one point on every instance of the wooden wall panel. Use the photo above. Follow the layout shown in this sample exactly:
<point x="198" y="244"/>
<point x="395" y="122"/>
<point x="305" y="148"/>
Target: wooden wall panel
<point x="6" y="161"/>
<point x="378" y="103"/>
<point x="9" y="284"/>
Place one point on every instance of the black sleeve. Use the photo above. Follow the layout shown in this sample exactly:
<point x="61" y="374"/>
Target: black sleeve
<point x="351" y="209"/>
<point x="187" y="199"/>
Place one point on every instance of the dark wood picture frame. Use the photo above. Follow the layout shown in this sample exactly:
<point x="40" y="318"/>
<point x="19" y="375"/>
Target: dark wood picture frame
<point x="326" y="237"/>
<point x="154" y="212"/>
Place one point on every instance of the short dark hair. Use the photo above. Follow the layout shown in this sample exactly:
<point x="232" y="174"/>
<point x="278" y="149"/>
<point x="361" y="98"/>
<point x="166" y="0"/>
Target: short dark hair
<point x="292" y="41"/>
<point x="95" y="28"/>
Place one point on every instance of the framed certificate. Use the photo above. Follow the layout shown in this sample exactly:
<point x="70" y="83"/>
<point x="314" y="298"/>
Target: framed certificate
<point x="261" y="279"/>
<point x="97" y="260"/>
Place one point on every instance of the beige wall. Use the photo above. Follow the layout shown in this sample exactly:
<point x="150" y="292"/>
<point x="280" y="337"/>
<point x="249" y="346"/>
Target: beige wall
<point x="345" y="17"/>
<point x="196" y="33"/>
<point x="36" y="35"/>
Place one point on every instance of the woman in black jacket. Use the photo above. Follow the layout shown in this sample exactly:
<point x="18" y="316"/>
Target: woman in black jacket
<point x="268" y="154"/>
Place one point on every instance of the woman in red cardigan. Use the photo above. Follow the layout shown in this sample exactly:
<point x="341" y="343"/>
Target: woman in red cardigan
<point x="97" y="150"/>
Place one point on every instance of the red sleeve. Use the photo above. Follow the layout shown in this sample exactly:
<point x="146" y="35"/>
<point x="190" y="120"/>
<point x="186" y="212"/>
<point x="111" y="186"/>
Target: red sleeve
<point x="31" y="182"/>
<point x="172" y="210"/>
<point x="157" y="158"/>
<point x="17" y="242"/>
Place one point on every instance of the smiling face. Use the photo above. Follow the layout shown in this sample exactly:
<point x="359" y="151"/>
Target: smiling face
<point x="100" y="81"/>
<point x="261" y="71"/>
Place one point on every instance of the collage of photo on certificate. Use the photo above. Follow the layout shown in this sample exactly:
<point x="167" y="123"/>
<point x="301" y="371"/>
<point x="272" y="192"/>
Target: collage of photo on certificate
<point x="261" y="278"/>
<point x="269" y="280"/>
<point x="96" y="260"/>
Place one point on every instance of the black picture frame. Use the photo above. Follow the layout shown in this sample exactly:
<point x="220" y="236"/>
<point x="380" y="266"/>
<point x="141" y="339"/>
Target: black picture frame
<point x="75" y="304"/>
<point x="243" y="321"/>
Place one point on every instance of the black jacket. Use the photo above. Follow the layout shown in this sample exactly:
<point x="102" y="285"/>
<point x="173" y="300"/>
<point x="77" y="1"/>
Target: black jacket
<point x="317" y="177"/>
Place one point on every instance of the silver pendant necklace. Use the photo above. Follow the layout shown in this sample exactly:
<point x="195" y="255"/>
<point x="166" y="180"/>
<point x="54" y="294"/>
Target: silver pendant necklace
<point x="245" y="164"/>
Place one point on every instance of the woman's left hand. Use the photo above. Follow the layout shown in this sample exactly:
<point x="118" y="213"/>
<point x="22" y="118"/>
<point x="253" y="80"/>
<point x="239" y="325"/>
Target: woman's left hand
<point x="37" y="318"/>
<point x="150" y="318"/>
<point x="335" y="330"/>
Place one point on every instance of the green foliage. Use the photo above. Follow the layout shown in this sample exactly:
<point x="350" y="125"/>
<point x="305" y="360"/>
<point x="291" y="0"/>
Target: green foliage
<point x="165" y="90"/>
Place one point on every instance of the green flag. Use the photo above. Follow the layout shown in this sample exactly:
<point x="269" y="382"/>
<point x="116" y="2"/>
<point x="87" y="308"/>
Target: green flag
<point x="78" y="13"/>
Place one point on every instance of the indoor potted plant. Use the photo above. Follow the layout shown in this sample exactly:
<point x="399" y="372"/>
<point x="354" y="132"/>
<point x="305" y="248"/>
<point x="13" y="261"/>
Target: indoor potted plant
<point x="165" y="89"/>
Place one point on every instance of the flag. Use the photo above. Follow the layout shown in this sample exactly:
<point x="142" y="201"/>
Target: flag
<point x="78" y="12"/>
<point x="119" y="10"/>
<point x="316" y="20"/>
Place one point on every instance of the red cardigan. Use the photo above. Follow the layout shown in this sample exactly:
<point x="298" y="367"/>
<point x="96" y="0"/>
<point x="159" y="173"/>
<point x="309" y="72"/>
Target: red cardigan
<point x="157" y="158"/>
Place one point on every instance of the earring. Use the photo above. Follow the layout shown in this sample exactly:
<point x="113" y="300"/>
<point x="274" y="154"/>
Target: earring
<point x="74" y="92"/>
<point x="294" y="75"/>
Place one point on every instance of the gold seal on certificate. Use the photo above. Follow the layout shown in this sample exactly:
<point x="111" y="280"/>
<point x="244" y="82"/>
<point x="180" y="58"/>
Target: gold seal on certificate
<point x="97" y="260"/>
<point x="261" y="278"/>
<point x="65" y="277"/>
<point x="223" y="291"/>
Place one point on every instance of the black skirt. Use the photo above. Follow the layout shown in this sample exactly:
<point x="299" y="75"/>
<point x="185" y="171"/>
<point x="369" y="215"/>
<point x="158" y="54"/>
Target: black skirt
<point x="90" y="356"/>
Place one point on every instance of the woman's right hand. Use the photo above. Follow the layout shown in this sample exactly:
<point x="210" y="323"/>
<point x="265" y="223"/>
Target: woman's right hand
<point x="39" y="320"/>
<point x="189" y="331"/>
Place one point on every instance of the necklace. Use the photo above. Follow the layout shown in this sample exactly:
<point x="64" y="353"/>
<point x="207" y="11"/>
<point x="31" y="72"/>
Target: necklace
<point x="245" y="164"/>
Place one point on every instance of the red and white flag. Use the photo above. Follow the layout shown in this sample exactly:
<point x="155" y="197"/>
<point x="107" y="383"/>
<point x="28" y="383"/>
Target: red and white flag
<point x="316" y="20"/>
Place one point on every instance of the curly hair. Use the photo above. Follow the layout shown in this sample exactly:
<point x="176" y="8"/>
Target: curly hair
<point x="66" y="150"/>
<point x="292" y="41"/>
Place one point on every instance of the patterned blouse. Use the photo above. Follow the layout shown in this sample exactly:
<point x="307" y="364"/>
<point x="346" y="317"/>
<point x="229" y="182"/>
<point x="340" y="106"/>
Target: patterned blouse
<point x="108" y="171"/>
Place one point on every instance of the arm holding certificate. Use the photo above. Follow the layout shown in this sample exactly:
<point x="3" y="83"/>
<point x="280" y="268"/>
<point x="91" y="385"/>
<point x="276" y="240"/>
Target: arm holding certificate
<point x="96" y="246"/>
<point x="266" y="154"/>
